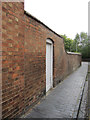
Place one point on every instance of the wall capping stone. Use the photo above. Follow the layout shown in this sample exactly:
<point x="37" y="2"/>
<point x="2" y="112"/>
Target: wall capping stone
<point x="73" y="53"/>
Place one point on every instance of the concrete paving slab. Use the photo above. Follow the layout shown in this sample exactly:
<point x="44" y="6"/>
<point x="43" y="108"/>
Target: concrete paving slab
<point x="63" y="101"/>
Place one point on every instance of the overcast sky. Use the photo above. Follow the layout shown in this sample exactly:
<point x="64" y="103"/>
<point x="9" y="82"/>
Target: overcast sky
<point x="63" y="16"/>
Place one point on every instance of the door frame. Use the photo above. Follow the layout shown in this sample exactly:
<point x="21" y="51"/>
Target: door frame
<point x="49" y="41"/>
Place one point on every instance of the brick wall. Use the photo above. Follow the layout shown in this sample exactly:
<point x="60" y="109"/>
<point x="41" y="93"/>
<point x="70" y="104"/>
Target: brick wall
<point x="24" y="59"/>
<point x="74" y="60"/>
<point x="36" y="35"/>
<point x="0" y="60"/>
<point x="34" y="62"/>
<point x="12" y="59"/>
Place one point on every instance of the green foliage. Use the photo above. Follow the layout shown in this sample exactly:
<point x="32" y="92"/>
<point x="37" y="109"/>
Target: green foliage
<point x="79" y="44"/>
<point x="67" y="42"/>
<point x="84" y="47"/>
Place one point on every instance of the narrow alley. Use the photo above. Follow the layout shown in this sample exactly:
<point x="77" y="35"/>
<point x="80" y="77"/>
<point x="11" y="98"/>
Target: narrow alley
<point x="64" y="100"/>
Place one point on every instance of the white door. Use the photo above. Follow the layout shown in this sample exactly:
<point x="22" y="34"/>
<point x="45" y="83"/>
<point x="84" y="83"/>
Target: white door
<point x="49" y="65"/>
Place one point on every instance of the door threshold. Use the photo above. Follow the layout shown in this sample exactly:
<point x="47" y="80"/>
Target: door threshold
<point x="48" y="92"/>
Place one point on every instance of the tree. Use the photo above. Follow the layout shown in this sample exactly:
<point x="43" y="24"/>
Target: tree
<point x="82" y="44"/>
<point x="79" y="44"/>
<point x="67" y="42"/>
<point x="76" y="41"/>
<point x="84" y="38"/>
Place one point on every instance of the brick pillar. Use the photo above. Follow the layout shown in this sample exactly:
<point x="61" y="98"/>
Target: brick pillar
<point x="0" y="60"/>
<point x="12" y="59"/>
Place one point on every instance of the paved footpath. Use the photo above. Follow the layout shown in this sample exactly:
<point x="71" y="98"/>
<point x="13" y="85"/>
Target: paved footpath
<point x="63" y="101"/>
<point x="89" y="90"/>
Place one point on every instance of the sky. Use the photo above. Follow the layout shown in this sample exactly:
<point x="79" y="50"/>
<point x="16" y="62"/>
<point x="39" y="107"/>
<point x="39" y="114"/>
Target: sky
<point x="62" y="16"/>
